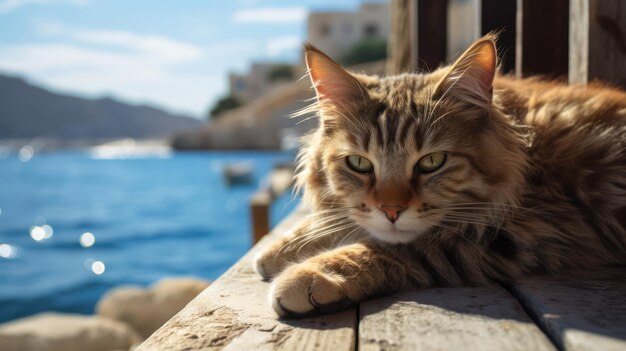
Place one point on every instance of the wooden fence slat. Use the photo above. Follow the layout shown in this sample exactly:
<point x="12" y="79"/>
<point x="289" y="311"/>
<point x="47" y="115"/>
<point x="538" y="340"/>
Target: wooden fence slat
<point x="432" y="33"/>
<point x="486" y="318"/>
<point x="597" y="41"/>
<point x="400" y="38"/>
<point x="542" y="38"/>
<point x="579" y="315"/>
<point x="499" y="15"/>
<point x="233" y="314"/>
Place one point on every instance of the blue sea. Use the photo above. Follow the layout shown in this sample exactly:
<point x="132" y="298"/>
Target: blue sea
<point x="151" y="217"/>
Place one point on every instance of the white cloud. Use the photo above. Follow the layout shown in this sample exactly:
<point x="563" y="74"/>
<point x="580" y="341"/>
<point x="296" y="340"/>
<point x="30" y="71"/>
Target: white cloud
<point x="279" y="45"/>
<point x="136" y="77"/>
<point x="138" y="68"/>
<point x="160" y="47"/>
<point x="11" y="5"/>
<point x="271" y="15"/>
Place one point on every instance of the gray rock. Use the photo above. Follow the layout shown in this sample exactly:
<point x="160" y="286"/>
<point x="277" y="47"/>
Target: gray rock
<point x="145" y="310"/>
<point x="66" y="332"/>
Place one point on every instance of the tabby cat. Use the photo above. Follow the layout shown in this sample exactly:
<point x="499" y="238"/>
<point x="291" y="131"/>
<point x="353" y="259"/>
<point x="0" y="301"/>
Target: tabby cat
<point x="449" y="178"/>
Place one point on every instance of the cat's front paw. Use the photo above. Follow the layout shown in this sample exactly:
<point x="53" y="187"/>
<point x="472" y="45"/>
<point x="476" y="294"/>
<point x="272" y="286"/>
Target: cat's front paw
<point x="302" y="291"/>
<point x="267" y="264"/>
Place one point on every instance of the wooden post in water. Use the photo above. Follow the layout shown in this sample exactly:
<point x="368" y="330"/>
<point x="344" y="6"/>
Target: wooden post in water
<point x="260" y="209"/>
<point x="278" y="182"/>
<point x="597" y="41"/>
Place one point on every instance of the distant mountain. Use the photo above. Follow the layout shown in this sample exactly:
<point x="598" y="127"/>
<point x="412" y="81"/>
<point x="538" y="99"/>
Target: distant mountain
<point x="27" y="111"/>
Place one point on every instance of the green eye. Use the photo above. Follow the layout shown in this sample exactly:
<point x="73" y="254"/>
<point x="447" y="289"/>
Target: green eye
<point x="359" y="164"/>
<point x="431" y="162"/>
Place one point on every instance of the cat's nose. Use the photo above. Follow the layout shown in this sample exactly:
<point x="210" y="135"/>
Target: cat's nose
<point x="392" y="212"/>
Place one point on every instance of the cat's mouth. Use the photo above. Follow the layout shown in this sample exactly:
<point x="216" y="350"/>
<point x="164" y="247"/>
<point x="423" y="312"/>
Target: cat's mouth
<point x="403" y="230"/>
<point x="395" y="234"/>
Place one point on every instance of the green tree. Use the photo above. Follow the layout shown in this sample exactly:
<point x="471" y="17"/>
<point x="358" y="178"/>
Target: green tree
<point x="225" y="103"/>
<point x="280" y="72"/>
<point x="367" y="50"/>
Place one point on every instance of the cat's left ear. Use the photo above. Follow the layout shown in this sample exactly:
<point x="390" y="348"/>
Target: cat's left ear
<point x="332" y="83"/>
<point x="471" y="77"/>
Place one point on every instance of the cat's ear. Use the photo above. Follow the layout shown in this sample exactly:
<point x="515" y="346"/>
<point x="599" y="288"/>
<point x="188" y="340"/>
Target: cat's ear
<point x="332" y="83"/>
<point x="471" y="77"/>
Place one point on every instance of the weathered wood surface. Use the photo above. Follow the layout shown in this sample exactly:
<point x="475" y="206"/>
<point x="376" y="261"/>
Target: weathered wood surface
<point x="579" y="315"/>
<point x="233" y="314"/>
<point x="486" y="318"/>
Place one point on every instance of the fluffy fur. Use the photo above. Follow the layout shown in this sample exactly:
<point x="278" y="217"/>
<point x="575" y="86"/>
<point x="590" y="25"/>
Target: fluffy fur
<point x="534" y="182"/>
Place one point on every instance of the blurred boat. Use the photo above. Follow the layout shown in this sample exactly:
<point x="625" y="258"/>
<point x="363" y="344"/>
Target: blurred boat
<point x="238" y="174"/>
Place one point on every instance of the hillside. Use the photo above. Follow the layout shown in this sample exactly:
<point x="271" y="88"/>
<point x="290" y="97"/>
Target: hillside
<point x="27" y="111"/>
<point x="263" y="123"/>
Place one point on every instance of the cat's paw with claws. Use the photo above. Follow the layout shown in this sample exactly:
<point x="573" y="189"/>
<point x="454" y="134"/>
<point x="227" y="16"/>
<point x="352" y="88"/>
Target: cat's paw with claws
<point x="302" y="291"/>
<point x="268" y="264"/>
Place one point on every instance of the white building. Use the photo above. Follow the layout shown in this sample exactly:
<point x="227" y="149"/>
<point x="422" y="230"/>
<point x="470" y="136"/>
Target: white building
<point x="336" y="32"/>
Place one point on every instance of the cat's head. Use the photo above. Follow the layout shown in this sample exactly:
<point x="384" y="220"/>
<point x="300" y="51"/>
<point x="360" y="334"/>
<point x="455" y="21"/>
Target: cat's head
<point x="406" y="154"/>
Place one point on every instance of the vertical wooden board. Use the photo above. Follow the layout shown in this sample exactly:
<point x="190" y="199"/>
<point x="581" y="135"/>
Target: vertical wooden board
<point x="607" y="41"/>
<point x="598" y="41"/>
<point x="399" y="47"/>
<point x="578" y="42"/>
<point x="582" y="314"/>
<point x="499" y="16"/>
<point x="542" y="38"/>
<point x="234" y="314"/>
<point x="485" y="318"/>
<point x="432" y="33"/>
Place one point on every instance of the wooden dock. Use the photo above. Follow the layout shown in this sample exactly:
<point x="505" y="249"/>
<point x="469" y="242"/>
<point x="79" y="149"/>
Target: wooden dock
<point x="536" y="314"/>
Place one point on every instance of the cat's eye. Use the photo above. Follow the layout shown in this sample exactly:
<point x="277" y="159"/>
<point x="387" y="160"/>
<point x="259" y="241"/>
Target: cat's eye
<point x="359" y="164"/>
<point x="431" y="162"/>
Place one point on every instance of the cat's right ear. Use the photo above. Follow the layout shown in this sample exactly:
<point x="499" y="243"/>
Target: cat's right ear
<point x="332" y="83"/>
<point x="471" y="77"/>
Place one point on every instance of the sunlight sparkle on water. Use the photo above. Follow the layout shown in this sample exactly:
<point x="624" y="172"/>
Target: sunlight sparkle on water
<point x="37" y="233"/>
<point x="7" y="251"/>
<point x="26" y="153"/>
<point x="87" y="240"/>
<point x="48" y="231"/>
<point x="98" y="267"/>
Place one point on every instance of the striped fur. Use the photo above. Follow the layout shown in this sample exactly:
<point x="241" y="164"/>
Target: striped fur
<point x="534" y="183"/>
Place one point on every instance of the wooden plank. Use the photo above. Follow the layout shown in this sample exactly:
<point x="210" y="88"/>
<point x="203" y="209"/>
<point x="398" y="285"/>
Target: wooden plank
<point x="542" y="38"/>
<point x="233" y="314"/>
<point x="500" y="16"/>
<point x="485" y="318"/>
<point x="598" y="41"/>
<point x="582" y="314"/>
<point x="432" y="33"/>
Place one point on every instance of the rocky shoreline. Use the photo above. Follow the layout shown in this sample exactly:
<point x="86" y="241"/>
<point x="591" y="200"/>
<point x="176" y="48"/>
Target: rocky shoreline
<point x="125" y="316"/>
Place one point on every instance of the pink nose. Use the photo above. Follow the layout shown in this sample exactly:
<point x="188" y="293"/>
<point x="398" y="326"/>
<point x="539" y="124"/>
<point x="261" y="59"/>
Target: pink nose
<point x="392" y="212"/>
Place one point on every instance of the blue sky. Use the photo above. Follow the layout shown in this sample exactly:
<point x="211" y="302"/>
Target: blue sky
<point x="172" y="54"/>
